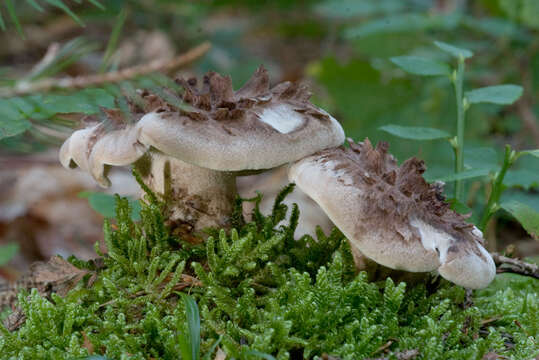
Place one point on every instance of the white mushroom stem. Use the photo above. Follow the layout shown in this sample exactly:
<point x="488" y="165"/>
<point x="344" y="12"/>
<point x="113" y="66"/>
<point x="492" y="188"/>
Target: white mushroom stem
<point x="196" y="198"/>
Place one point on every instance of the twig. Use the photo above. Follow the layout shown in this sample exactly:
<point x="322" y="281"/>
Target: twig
<point x="187" y="281"/>
<point x="384" y="347"/>
<point x="515" y="266"/>
<point x="25" y="88"/>
<point x="517" y="323"/>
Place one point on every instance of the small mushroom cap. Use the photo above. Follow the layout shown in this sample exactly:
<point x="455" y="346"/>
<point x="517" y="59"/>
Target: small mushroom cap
<point x="391" y="214"/>
<point x="253" y="128"/>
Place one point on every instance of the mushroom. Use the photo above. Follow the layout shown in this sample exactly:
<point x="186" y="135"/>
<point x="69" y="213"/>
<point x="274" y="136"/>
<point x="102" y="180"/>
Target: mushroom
<point x="392" y="215"/>
<point x="191" y="148"/>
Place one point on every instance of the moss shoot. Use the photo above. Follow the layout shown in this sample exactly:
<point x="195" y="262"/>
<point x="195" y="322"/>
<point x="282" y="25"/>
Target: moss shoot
<point x="262" y="293"/>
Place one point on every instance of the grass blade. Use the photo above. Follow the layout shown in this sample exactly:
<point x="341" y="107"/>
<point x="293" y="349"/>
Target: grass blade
<point x="35" y="5"/>
<point x="97" y="4"/>
<point x="213" y="347"/>
<point x="60" y="5"/>
<point x="2" y="23"/>
<point x="113" y="40"/>
<point x="193" y="323"/>
<point x="13" y="15"/>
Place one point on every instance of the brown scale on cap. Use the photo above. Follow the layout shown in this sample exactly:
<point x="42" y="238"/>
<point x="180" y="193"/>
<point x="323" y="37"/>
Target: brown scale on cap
<point x="398" y="192"/>
<point x="217" y="100"/>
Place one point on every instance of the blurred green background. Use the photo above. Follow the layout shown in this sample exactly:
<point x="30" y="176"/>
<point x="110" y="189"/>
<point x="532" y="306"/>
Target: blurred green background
<point x="340" y="48"/>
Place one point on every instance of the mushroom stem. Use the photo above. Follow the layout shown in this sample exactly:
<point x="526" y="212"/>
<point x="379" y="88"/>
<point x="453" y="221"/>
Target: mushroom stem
<point x="196" y="198"/>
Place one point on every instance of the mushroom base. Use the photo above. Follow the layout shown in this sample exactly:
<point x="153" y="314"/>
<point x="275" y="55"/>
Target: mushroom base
<point x="196" y="198"/>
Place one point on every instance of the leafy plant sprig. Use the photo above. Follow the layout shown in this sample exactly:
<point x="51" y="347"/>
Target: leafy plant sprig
<point x="59" y="4"/>
<point x="498" y="94"/>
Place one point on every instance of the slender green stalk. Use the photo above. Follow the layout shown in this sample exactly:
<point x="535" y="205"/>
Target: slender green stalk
<point x="459" y="146"/>
<point x="497" y="188"/>
<point x="113" y="40"/>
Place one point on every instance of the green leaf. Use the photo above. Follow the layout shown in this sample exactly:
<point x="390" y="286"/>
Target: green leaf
<point x="87" y="101"/>
<point x="530" y="152"/>
<point x="7" y="252"/>
<point x="193" y="324"/>
<point x="403" y="23"/>
<point x="10" y="127"/>
<point x="421" y="66"/>
<point x="105" y="204"/>
<point x="497" y="94"/>
<point x="415" y="132"/>
<point x="480" y="158"/>
<point x="453" y="50"/>
<point x="12" y="121"/>
<point x="341" y="9"/>
<point x="524" y="178"/>
<point x="529" y="8"/>
<point x="184" y="348"/>
<point x="496" y="27"/>
<point x="528" y="217"/>
<point x="466" y="174"/>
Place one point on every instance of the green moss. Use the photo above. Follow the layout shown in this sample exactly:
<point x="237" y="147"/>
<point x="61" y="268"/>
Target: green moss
<point x="264" y="292"/>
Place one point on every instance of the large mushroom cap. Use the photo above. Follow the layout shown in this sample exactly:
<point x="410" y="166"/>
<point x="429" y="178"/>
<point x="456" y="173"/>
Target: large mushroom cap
<point x="392" y="215"/>
<point x="250" y="129"/>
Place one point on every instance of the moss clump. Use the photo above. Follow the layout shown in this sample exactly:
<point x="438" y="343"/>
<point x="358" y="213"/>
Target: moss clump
<point x="260" y="291"/>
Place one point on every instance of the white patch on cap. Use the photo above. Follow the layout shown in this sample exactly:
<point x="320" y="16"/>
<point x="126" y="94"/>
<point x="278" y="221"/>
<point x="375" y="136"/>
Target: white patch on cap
<point x="477" y="232"/>
<point x="433" y="239"/>
<point x="282" y="118"/>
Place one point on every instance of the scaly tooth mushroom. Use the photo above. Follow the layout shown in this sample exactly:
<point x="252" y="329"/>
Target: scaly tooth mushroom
<point x="195" y="155"/>
<point x="392" y="215"/>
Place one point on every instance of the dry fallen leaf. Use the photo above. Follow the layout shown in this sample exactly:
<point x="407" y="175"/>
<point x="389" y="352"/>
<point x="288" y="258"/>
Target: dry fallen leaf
<point x="493" y="356"/>
<point x="55" y="276"/>
<point x="87" y="344"/>
<point x="14" y="320"/>
<point x="220" y="355"/>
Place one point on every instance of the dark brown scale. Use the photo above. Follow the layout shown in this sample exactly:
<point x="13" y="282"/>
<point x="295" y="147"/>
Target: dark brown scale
<point x="401" y="193"/>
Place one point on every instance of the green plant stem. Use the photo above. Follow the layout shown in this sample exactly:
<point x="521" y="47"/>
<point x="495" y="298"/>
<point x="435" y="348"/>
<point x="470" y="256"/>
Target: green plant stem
<point x="459" y="149"/>
<point x="113" y="40"/>
<point x="497" y="188"/>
